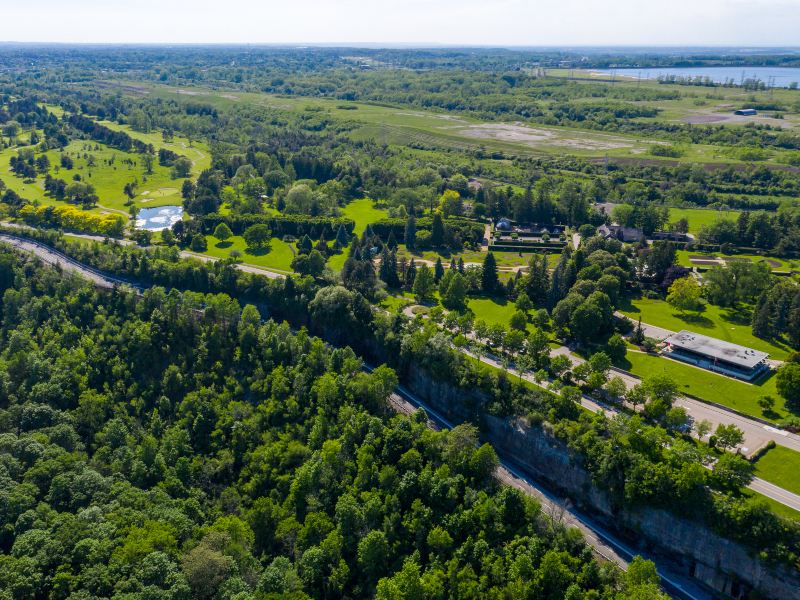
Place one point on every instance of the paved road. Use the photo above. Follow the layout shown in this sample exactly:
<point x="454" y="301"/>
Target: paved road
<point x="658" y="333"/>
<point x="240" y="266"/>
<point x="57" y="259"/>
<point x="699" y="411"/>
<point x="604" y="542"/>
<point x="770" y="490"/>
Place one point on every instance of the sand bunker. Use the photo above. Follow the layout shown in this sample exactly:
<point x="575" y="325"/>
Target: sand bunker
<point x="531" y="136"/>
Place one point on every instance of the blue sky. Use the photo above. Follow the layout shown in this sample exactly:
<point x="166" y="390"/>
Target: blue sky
<point x="476" y="22"/>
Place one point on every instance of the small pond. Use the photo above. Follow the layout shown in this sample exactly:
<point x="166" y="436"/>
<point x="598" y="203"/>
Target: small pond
<point x="158" y="218"/>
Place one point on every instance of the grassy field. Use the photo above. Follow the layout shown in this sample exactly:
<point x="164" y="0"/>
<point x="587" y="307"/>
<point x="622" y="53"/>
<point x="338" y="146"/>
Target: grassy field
<point x="406" y="125"/>
<point x="493" y="310"/>
<point x="715" y="322"/>
<point x="775" y="506"/>
<point x="698" y="217"/>
<point x="195" y="151"/>
<point x="363" y="213"/>
<point x="774" y="262"/>
<point x="108" y="170"/>
<point x="278" y="257"/>
<point x="711" y="105"/>
<point x="780" y="466"/>
<point x="709" y="386"/>
<point x="396" y="301"/>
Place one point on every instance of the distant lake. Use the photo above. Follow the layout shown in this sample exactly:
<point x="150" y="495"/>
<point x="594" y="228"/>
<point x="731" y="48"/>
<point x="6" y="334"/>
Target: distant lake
<point x="158" y="218"/>
<point x="783" y="75"/>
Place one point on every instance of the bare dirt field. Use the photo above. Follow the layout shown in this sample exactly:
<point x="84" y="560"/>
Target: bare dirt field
<point x="720" y="117"/>
<point x="531" y="136"/>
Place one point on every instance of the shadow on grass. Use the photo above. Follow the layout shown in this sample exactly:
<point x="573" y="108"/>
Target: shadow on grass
<point x="626" y="305"/>
<point x="258" y="251"/>
<point x="696" y="320"/>
<point x="738" y="316"/>
<point x="499" y="300"/>
<point x="223" y="245"/>
<point x="764" y="379"/>
<point x="624" y="364"/>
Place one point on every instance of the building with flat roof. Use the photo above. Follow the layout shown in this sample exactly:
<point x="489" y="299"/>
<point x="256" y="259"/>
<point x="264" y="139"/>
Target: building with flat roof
<point x="746" y="112"/>
<point x="716" y="355"/>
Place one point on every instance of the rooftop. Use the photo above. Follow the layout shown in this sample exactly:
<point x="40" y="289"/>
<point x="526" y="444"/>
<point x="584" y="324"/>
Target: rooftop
<point x="734" y="354"/>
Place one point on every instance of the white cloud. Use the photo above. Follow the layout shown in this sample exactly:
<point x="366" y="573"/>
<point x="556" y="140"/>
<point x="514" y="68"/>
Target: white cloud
<point x="500" y="22"/>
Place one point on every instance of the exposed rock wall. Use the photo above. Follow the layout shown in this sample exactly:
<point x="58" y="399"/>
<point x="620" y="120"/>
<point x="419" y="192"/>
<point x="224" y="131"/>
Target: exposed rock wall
<point x="722" y="564"/>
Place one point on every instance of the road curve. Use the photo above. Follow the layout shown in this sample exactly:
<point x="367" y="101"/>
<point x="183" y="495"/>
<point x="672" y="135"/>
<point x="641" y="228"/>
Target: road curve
<point x="58" y="259"/>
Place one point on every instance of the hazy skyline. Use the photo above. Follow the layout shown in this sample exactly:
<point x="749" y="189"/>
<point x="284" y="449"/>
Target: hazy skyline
<point x="463" y="22"/>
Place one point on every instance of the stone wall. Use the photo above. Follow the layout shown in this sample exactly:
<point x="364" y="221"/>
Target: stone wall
<point x="722" y="564"/>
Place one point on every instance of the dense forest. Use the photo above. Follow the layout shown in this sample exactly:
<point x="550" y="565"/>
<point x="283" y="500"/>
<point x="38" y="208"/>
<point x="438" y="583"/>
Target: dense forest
<point x="174" y="446"/>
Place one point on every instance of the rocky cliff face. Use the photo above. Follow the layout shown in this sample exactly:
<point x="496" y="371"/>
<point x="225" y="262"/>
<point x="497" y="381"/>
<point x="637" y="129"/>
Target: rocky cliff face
<point x="721" y="564"/>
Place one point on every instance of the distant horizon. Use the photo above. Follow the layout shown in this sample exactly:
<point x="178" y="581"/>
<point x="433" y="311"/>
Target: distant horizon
<point x="415" y="23"/>
<point x="743" y="50"/>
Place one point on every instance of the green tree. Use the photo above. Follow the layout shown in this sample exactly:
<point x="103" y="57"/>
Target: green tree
<point x="257" y="236"/>
<point x="455" y="297"/>
<point x="222" y="232"/>
<point x="437" y="231"/>
<point x="199" y="243"/>
<point x="685" y="295"/>
<point x="489" y="278"/>
<point x="424" y="284"/>
<point x="438" y="270"/>
<point x="312" y="263"/>
<point x="788" y="383"/>
<point x="373" y="554"/>
<point x="728" y="436"/>
<point x="732" y="472"/>
<point x="410" y="237"/>
<point x="518" y="321"/>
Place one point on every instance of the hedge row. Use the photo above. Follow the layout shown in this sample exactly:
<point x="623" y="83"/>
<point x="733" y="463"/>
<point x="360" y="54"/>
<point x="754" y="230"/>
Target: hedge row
<point x="467" y="231"/>
<point x="280" y="225"/>
<point x="549" y="249"/>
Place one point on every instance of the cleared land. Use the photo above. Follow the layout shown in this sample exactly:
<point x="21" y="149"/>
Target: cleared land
<point x="404" y="126"/>
<point x="715" y="322"/>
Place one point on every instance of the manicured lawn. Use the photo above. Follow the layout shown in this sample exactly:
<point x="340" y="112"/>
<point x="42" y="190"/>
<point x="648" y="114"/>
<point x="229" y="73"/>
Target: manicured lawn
<point x="780" y="466"/>
<point x="700" y="216"/>
<point x="715" y="322"/>
<point x="493" y="310"/>
<point x="278" y="257"/>
<point x="709" y="386"/>
<point x="774" y="262"/>
<point x="504" y="260"/>
<point x="336" y="261"/>
<point x="363" y="213"/>
<point x="779" y="509"/>
<point x="108" y="170"/>
<point x="195" y="151"/>
<point x="392" y="303"/>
